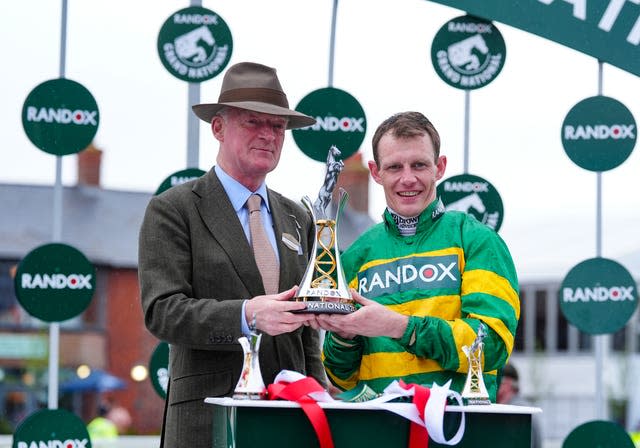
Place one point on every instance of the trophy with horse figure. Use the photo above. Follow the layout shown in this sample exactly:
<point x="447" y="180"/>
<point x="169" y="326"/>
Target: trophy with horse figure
<point x="323" y="287"/>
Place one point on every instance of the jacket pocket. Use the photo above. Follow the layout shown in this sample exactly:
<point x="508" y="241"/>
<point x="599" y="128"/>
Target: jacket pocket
<point x="198" y="387"/>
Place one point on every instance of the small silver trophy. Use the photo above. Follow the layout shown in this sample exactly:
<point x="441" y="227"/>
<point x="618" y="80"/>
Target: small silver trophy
<point x="250" y="385"/>
<point x="323" y="287"/>
<point x="475" y="392"/>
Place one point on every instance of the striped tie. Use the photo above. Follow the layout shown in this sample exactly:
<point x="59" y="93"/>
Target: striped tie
<point x="262" y="249"/>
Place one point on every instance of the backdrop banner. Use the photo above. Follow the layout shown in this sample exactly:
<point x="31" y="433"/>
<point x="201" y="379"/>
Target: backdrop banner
<point x="608" y="30"/>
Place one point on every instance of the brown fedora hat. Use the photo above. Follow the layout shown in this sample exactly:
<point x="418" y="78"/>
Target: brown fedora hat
<point x="255" y="87"/>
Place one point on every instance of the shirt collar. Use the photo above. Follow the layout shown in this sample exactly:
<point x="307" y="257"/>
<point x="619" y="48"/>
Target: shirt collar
<point x="429" y="215"/>
<point x="238" y="193"/>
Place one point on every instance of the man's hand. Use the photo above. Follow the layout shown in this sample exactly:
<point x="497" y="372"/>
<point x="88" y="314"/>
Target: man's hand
<point x="273" y="313"/>
<point x="372" y="319"/>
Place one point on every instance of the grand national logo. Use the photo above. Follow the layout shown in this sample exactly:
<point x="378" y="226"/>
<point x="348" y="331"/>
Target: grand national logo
<point x="418" y="272"/>
<point x="599" y="133"/>
<point x="195" y="44"/>
<point x="468" y="53"/>
<point x="340" y="121"/>
<point x="473" y="195"/>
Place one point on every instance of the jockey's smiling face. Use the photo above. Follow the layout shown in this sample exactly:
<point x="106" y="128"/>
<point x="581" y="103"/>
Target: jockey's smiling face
<point x="408" y="171"/>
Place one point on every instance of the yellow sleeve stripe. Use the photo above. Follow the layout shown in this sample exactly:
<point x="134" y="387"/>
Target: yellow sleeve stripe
<point x="499" y="327"/>
<point x="345" y="384"/>
<point x="487" y="282"/>
<point x="385" y="364"/>
<point x="464" y="335"/>
<point x="444" y="307"/>
<point x="389" y="365"/>
<point x="448" y="251"/>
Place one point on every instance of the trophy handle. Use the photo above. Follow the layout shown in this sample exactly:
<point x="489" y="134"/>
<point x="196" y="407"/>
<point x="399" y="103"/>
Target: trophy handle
<point x="342" y="202"/>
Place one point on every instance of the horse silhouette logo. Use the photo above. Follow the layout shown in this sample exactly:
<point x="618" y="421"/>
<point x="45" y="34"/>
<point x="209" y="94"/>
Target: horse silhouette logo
<point x="473" y="204"/>
<point x="468" y="52"/>
<point x="461" y="54"/>
<point x="466" y="203"/>
<point x="189" y="47"/>
<point x="195" y="44"/>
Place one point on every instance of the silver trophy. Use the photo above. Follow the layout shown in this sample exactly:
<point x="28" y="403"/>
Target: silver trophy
<point x="250" y="385"/>
<point x="475" y="392"/>
<point x="323" y="287"/>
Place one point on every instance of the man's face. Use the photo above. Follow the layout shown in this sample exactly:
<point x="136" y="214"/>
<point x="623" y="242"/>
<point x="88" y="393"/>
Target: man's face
<point x="407" y="172"/>
<point x="505" y="391"/>
<point x="250" y="144"/>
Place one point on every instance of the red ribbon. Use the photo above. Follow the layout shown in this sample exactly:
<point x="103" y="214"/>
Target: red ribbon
<point x="418" y="434"/>
<point x="299" y="391"/>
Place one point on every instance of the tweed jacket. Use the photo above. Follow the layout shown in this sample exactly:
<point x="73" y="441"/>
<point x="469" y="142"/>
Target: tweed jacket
<point x="195" y="268"/>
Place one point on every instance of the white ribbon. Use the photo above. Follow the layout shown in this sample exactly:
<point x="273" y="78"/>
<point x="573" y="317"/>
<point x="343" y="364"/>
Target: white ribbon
<point x="433" y="411"/>
<point x="290" y="376"/>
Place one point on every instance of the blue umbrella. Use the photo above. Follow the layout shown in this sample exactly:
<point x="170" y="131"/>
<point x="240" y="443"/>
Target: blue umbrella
<point x="98" y="381"/>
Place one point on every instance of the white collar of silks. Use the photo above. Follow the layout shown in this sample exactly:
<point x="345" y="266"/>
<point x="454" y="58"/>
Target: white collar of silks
<point x="433" y="411"/>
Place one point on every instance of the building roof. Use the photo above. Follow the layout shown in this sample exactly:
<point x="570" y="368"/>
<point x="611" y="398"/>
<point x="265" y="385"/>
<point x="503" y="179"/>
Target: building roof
<point x="102" y="224"/>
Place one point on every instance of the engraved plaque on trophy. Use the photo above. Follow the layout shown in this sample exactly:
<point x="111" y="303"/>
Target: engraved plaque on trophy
<point x="250" y="386"/>
<point x="475" y="392"/>
<point x="323" y="287"/>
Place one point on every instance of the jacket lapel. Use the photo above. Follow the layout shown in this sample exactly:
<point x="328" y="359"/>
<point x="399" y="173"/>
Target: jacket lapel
<point x="285" y="222"/>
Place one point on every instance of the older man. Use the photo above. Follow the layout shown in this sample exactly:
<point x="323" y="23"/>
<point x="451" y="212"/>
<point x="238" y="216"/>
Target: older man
<point x="202" y="285"/>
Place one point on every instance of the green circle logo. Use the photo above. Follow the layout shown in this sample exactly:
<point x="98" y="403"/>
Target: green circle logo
<point x="60" y="117"/>
<point x="468" y="52"/>
<point x="340" y="121"/>
<point x="195" y="44"/>
<point x="473" y="195"/>
<point x="55" y="282"/>
<point x="52" y="428"/>
<point x="599" y="133"/>
<point x="600" y="434"/>
<point x="159" y="369"/>
<point x="179" y="177"/>
<point x="598" y="296"/>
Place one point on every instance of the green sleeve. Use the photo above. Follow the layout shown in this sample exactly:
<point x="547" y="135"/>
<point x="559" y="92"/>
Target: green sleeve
<point x="341" y="359"/>
<point x="489" y="294"/>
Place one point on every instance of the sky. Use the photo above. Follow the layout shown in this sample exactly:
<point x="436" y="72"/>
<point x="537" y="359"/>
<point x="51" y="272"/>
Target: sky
<point x="382" y="58"/>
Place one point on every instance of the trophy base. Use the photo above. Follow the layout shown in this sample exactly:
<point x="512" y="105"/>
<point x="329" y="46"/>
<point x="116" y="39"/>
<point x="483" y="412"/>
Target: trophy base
<point x="319" y="307"/>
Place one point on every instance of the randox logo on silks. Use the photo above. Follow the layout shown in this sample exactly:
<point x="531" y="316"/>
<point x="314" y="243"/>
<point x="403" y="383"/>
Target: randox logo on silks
<point x="473" y="195"/>
<point x="599" y="133"/>
<point x="418" y="272"/>
<point x="195" y="44"/>
<point x="55" y="282"/>
<point x="51" y="428"/>
<point x="179" y="177"/>
<point x="598" y="296"/>
<point x="340" y="121"/>
<point x="468" y="52"/>
<point x="60" y="117"/>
